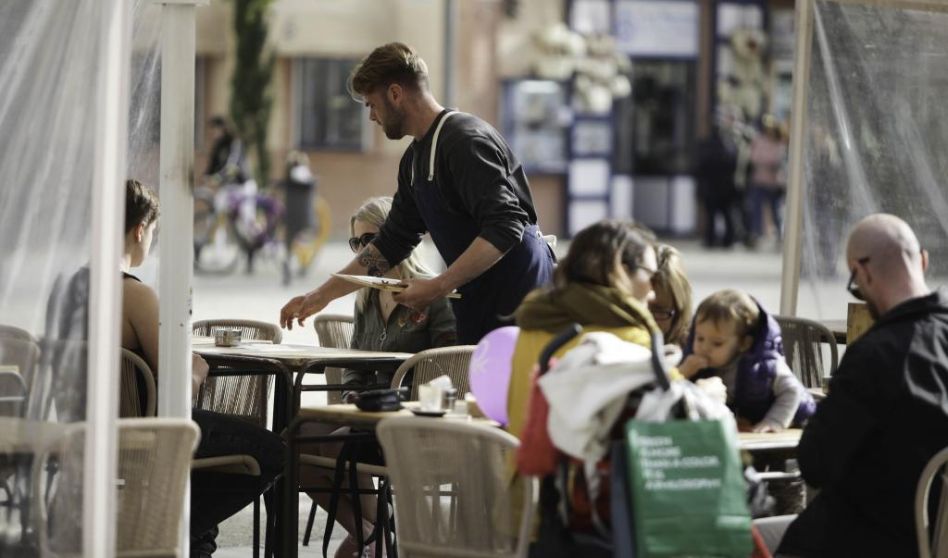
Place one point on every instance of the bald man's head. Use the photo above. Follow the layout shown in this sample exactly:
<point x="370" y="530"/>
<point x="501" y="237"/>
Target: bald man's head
<point x="892" y="260"/>
<point x="883" y="237"/>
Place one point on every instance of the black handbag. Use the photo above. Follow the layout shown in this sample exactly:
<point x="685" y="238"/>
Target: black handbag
<point x="379" y="400"/>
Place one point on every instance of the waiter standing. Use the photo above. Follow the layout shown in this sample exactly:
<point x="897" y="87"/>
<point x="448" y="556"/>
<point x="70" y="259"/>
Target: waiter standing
<point x="458" y="181"/>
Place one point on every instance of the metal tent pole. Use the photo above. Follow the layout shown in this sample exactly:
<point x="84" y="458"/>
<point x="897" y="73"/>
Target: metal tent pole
<point x="790" y="278"/>
<point x="177" y="216"/>
<point x="176" y="234"/>
<point x="108" y="211"/>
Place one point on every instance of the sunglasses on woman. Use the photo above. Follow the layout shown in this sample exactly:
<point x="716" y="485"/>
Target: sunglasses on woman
<point x="662" y="314"/>
<point x="359" y="242"/>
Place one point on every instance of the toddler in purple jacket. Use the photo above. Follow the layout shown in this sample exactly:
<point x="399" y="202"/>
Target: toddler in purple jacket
<point x="733" y="338"/>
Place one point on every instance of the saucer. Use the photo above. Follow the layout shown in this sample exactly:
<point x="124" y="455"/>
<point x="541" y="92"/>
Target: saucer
<point x="418" y="412"/>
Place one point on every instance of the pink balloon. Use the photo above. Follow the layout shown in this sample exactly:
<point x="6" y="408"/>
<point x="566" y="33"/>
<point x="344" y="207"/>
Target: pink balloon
<point x="489" y="372"/>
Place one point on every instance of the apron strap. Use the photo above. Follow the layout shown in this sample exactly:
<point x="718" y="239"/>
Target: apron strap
<point x="434" y="149"/>
<point x="434" y="146"/>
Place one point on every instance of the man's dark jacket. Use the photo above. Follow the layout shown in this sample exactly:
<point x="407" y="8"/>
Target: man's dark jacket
<point x="886" y="415"/>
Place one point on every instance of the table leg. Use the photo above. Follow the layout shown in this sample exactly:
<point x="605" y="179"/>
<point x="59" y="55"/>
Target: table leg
<point x="291" y="484"/>
<point x="298" y="383"/>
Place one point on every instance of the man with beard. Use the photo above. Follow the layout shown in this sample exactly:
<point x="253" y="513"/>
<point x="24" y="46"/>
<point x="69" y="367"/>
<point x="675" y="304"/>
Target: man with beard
<point x="458" y="181"/>
<point x="886" y="413"/>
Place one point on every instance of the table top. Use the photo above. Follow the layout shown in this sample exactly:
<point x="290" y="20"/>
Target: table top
<point x="19" y="435"/>
<point x="347" y="414"/>
<point x="298" y="355"/>
<point x="207" y="340"/>
<point x="760" y="441"/>
<point x="350" y="414"/>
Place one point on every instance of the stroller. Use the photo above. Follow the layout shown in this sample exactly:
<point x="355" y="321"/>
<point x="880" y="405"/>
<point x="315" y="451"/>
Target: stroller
<point x="587" y="502"/>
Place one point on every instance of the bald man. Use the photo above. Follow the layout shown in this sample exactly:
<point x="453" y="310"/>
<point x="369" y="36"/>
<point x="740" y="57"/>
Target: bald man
<point x="887" y="410"/>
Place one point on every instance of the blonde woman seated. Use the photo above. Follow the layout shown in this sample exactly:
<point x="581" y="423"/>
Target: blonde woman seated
<point x="380" y="324"/>
<point x="672" y="305"/>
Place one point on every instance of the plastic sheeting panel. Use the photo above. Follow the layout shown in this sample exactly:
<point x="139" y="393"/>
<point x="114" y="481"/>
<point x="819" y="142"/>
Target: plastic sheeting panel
<point x="51" y="59"/>
<point x="876" y="138"/>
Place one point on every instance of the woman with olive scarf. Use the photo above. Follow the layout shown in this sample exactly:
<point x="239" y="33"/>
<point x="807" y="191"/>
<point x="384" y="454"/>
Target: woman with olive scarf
<point x="603" y="284"/>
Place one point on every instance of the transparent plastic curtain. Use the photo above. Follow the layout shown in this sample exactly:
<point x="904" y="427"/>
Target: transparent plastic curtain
<point x="50" y="59"/>
<point x="876" y="138"/>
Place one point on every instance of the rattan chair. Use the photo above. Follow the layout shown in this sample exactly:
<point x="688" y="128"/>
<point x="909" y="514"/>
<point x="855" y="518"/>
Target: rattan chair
<point x="932" y="533"/>
<point x="241" y="396"/>
<point x="333" y="330"/>
<point x="60" y="382"/>
<point x="19" y="357"/>
<point x="134" y="404"/>
<point x="249" y="329"/>
<point x="153" y="468"/>
<point x="810" y="349"/>
<point x="137" y="399"/>
<point x="428" y="365"/>
<point x="424" y="456"/>
<point x="138" y="391"/>
<point x="13" y="332"/>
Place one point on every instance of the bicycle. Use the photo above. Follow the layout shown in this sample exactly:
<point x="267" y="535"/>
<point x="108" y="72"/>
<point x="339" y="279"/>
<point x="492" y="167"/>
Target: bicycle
<point x="234" y="220"/>
<point x="231" y="220"/>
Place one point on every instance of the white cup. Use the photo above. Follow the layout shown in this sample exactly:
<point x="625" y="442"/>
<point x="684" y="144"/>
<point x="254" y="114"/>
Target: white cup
<point x="460" y="408"/>
<point x="430" y="398"/>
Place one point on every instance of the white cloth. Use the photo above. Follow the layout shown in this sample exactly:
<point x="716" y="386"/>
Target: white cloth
<point x="656" y="405"/>
<point x="587" y="391"/>
<point x="714" y="387"/>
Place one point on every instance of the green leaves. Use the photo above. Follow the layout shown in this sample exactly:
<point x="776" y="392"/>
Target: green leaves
<point x="251" y="98"/>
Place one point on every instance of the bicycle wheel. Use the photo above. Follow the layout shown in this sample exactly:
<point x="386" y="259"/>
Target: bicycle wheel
<point x="205" y="218"/>
<point x="219" y="252"/>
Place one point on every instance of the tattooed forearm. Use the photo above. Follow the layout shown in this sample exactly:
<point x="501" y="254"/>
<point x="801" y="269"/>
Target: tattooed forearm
<point x="374" y="262"/>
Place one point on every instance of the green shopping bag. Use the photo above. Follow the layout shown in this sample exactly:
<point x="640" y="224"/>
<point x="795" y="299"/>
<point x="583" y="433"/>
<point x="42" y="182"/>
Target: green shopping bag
<point x="688" y="494"/>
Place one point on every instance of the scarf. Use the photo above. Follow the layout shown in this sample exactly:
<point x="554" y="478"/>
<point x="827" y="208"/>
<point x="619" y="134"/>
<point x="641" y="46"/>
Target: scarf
<point x="587" y="304"/>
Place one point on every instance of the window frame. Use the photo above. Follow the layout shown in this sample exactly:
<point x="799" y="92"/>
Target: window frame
<point x="300" y="89"/>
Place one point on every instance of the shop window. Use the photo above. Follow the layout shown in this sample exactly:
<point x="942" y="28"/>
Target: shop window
<point x="326" y="117"/>
<point x="655" y="126"/>
<point x="534" y="119"/>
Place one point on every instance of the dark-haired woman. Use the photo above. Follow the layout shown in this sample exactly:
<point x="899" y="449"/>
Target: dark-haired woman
<point x="603" y="284"/>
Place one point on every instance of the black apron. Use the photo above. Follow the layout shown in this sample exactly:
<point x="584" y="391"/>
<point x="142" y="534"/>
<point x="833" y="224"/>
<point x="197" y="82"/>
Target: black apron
<point x="489" y="300"/>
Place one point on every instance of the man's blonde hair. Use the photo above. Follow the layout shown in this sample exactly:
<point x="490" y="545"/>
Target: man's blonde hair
<point x="730" y="306"/>
<point x="388" y="64"/>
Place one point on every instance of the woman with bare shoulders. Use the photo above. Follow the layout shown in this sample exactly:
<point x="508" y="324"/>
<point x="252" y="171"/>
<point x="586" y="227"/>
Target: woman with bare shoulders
<point x="214" y="496"/>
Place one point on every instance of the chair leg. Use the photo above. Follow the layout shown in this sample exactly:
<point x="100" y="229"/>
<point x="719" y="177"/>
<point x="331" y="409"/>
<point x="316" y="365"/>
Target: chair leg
<point x="256" y="527"/>
<point x="391" y="543"/>
<point x="379" y="532"/>
<point x="356" y="503"/>
<point x="309" y="524"/>
<point x="453" y="513"/>
<point x="270" y="530"/>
